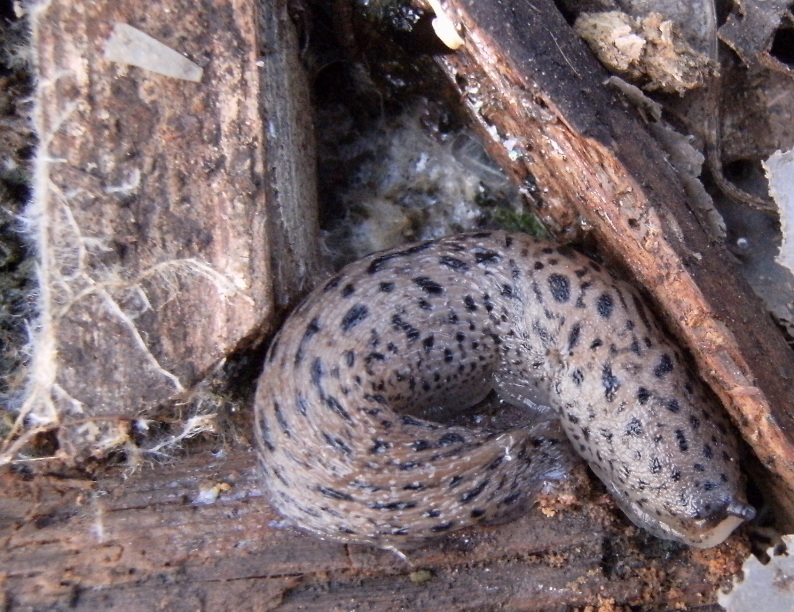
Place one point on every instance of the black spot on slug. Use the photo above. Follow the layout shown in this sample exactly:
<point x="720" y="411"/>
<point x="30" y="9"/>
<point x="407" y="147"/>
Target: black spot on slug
<point x="280" y="419"/>
<point x="317" y="372"/>
<point x="420" y="445"/>
<point x="472" y="493"/>
<point x="455" y="481"/>
<point x="487" y="256"/>
<point x="333" y="403"/>
<point x="334" y="494"/>
<point x="392" y="506"/>
<point x="264" y="429"/>
<point x="407" y="419"/>
<point x="311" y="329"/>
<point x="442" y="527"/>
<point x="410" y="331"/>
<point x="379" y="446"/>
<point x="374" y="356"/>
<point x="332" y="283"/>
<point x="610" y="381"/>
<point x="337" y="443"/>
<point x="605" y="305"/>
<point x="665" y="366"/>
<point x="680" y="437"/>
<point x="454" y="263"/>
<point x="643" y="395"/>
<point x="303" y="405"/>
<point x="377" y="264"/>
<point x="451" y="438"/>
<point x="386" y="287"/>
<point x="634" y="427"/>
<point x="376" y="397"/>
<point x="573" y="335"/>
<point x="428" y="285"/>
<point x="511" y="499"/>
<point x="560" y="288"/>
<point x="354" y="316"/>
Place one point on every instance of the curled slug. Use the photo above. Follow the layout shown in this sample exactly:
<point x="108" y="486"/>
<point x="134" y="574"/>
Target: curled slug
<point x="441" y="324"/>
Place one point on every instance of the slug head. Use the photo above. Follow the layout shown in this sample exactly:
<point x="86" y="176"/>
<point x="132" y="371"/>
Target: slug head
<point x="703" y="522"/>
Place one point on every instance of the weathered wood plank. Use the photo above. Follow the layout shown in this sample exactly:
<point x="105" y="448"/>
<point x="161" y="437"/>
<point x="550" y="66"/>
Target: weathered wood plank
<point x="159" y="538"/>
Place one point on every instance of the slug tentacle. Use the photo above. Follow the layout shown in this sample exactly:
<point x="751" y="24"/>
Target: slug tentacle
<point x="439" y="325"/>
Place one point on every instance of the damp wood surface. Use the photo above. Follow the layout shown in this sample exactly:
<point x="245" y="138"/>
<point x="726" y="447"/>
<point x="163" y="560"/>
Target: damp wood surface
<point x="197" y="533"/>
<point x="528" y="81"/>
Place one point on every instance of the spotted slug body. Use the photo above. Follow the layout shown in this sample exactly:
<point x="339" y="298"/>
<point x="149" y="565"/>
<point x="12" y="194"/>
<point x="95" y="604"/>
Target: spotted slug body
<point x="441" y="324"/>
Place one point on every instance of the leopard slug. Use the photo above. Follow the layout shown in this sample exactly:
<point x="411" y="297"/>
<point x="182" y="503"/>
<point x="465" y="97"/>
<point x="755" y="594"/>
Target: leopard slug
<point x="442" y="324"/>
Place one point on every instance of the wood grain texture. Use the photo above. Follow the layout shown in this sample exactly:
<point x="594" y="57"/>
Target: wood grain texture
<point x="156" y="539"/>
